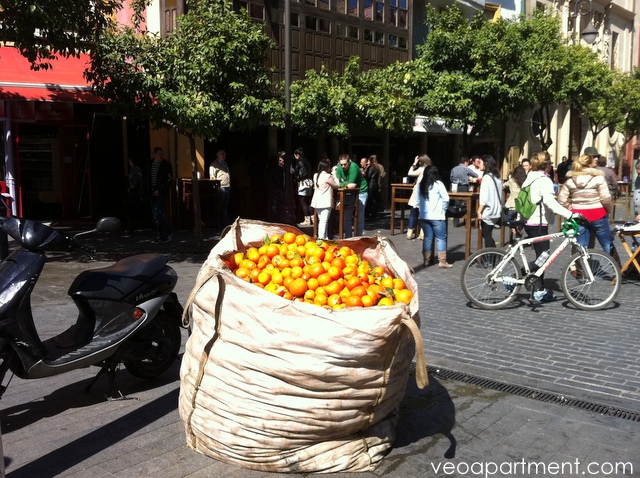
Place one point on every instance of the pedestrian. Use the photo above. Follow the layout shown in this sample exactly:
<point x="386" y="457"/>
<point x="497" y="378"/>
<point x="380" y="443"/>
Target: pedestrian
<point x="322" y="201"/>
<point x="219" y="170"/>
<point x="562" y="169"/>
<point x="373" y="182"/>
<point x="302" y="174"/>
<point x="547" y="208"/>
<point x="433" y="200"/>
<point x="513" y="186"/>
<point x="490" y="204"/>
<point x="415" y="171"/>
<point x="476" y="166"/>
<point x="586" y="192"/>
<point x="459" y="178"/>
<point x="275" y="185"/>
<point x="601" y="165"/>
<point x="380" y="174"/>
<point x="349" y="175"/>
<point x="135" y="196"/>
<point x="160" y="177"/>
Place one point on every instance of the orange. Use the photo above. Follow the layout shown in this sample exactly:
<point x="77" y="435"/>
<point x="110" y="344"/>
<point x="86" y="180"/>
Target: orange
<point x="309" y="295"/>
<point x="321" y="290"/>
<point x="236" y="259"/>
<point x="353" y="301"/>
<point x="296" y="261"/>
<point x="352" y="259"/>
<point x="318" y="252"/>
<point x="301" y="239"/>
<point x="339" y="263"/>
<point x="344" y="293"/>
<point x="312" y="283"/>
<point x="345" y="251"/>
<point x="247" y="264"/>
<point x="255" y="272"/>
<point x="320" y="299"/>
<point x="279" y="261"/>
<point x="262" y="249"/>
<point x="367" y="301"/>
<point x="398" y="283"/>
<point x="324" y="279"/>
<point x="277" y="278"/>
<point x="311" y="259"/>
<point x="253" y="254"/>
<point x="353" y="281"/>
<point x="349" y="270"/>
<point x="264" y="278"/>
<point x="316" y="269"/>
<point x="371" y="292"/>
<point x="333" y="300"/>
<point x="276" y="238"/>
<point x="301" y="250"/>
<point x="263" y="261"/>
<point x="338" y="306"/>
<point x="242" y="272"/>
<point x="335" y="272"/>
<point x="387" y="282"/>
<point x="289" y="237"/>
<point x="385" y="301"/>
<point x="296" y="272"/>
<point x="287" y="295"/>
<point x="360" y="291"/>
<point x="287" y="281"/>
<point x="329" y="254"/>
<point x="272" y="250"/>
<point x="298" y="287"/>
<point x="378" y="271"/>
<point x="404" y="295"/>
<point x="333" y="287"/>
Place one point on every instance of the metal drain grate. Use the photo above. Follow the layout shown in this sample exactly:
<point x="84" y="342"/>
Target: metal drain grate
<point x="533" y="393"/>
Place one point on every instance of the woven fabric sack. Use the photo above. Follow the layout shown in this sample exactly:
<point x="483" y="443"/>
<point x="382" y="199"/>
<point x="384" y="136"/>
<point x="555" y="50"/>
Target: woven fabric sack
<point x="284" y="386"/>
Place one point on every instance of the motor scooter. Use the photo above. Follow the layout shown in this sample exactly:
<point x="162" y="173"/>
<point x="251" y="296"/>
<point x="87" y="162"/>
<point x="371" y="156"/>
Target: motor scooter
<point x="127" y="312"/>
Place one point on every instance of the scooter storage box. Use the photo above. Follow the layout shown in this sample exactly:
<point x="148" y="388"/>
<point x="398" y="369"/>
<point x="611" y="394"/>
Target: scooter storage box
<point x="283" y="386"/>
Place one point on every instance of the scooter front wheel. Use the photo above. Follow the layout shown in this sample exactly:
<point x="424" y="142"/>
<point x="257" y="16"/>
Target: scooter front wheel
<point x="163" y="338"/>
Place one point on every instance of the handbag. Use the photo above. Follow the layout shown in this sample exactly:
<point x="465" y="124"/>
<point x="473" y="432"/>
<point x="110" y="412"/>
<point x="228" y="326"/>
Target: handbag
<point x="456" y="209"/>
<point x="500" y="221"/>
<point x="305" y="184"/>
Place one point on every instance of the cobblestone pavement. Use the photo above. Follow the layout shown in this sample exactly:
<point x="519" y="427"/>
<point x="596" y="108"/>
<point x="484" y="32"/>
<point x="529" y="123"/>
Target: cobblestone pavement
<point x="51" y="427"/>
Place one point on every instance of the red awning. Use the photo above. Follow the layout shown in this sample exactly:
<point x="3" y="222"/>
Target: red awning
<point x="64" y="81"/>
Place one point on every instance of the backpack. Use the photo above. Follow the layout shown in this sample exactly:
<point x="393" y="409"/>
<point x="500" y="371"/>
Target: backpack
<point x="524" y="205"/>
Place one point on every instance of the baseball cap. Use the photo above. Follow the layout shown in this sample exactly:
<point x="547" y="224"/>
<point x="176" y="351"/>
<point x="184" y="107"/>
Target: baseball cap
<point x="591" y="151"/>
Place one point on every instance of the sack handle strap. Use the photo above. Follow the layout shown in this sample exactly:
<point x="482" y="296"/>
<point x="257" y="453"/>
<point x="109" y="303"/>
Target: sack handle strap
<point x="422" y="377"/>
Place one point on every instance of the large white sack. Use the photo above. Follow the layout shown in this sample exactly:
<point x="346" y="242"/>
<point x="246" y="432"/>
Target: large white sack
<point x="284" y="386"/>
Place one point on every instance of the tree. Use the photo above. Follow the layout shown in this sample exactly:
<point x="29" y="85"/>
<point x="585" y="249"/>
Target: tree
<point x="206" y="76"/>
<point x="45" y="29"/>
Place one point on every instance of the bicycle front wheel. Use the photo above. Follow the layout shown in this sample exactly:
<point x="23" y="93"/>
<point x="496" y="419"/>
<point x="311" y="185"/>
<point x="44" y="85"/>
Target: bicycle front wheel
<point x="584" y="293"/>
<point x="484" y="284"/>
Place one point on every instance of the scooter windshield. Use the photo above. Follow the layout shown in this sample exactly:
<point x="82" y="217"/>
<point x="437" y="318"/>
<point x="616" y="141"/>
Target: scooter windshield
<point x="34" y="235"/>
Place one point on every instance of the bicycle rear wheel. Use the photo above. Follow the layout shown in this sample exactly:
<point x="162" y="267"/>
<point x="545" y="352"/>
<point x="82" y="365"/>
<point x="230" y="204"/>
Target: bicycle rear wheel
<point x="587" y="295"/>
<point x="484" y="292"/>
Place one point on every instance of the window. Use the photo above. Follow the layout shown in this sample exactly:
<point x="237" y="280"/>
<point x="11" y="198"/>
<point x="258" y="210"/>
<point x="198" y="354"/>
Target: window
<point x="402" y="14"/>
<point x="347" y="31"/>
<point x="324" y="25"/>
<point x="393" y="41"/>
<point x="368" y="35"/>
<point x="379" y="11"/>
<point x="310" y="23"/>
<point x="352" y="7"/>
<point x="324" y="4"/>
<point x="256" y="11"/>
<point x="378" y="38"/>
<point x="402" y="43"/>
<point x="368" y="9"/>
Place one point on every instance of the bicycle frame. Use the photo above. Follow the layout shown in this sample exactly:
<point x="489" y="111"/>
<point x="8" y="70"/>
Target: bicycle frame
<point x="517" y="250"/>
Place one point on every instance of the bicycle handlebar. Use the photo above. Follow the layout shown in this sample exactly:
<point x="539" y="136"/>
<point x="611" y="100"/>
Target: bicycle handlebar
<point x="570" y="227"/>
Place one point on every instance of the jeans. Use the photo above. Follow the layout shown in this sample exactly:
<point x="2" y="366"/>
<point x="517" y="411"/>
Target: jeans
<point x="431" y="227"/>
<point x="157" y="211"/>
<point x="348" y="217"/>
<point x="323" y="222"/>
<point x="600" y="229"/>
<point x="413" y="217"/>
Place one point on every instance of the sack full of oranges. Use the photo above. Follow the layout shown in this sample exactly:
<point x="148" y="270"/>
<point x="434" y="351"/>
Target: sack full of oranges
<point x="300" y="350"/>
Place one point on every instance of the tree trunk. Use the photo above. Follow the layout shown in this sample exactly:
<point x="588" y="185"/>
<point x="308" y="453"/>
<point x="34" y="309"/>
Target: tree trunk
<point x="195" y="194"/>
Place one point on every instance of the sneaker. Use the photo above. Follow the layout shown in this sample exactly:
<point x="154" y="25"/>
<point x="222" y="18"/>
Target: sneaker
<point x="543" y="295"/>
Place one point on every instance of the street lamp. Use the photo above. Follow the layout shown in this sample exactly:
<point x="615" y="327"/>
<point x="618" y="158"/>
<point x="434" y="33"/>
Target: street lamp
<point x="589" y="34"/>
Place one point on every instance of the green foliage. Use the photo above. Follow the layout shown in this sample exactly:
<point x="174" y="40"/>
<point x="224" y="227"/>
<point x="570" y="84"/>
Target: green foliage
<point x="208" y="75"/>
<point x="44" y="29"/>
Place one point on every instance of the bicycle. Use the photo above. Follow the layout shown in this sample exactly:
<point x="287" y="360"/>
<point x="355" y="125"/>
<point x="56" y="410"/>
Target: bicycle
<point x="492" y="277"/>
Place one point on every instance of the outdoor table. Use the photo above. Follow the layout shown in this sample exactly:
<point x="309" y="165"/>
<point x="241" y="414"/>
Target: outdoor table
<point x="343" y="198"/>
<point x="400" y="194"/>
<point x="471" y="200"/>
<point x="634" y="236"/>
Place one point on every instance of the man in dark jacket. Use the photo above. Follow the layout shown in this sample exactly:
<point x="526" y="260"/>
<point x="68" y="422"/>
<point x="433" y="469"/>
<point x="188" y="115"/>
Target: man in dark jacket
<point x="159" y="180"/>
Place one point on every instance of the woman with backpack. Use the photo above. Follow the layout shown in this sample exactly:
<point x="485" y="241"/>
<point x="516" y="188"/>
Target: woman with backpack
<point x="547" y="207"/>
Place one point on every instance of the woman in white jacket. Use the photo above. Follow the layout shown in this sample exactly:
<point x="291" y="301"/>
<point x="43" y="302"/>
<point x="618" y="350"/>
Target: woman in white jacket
<point x="542" y="193"/>
<point x="322" y="201"/>
<point x="433" y="200"/>
<point x="415" y="171"/>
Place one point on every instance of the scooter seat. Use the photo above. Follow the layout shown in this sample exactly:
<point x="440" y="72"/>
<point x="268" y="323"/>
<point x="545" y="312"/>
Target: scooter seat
<point x="119" y="279"/>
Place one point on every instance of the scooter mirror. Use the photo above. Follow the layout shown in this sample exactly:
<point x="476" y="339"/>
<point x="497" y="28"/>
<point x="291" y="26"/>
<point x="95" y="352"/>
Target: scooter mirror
<point x="106" y="224"/>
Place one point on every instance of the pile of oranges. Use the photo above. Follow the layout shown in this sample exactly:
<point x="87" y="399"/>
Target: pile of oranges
<point x="296" y="267"/>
